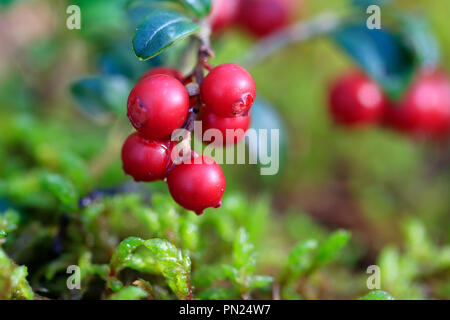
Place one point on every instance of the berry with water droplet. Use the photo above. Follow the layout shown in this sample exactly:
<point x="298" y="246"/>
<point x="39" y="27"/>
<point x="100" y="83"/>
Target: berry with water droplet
<point x="197" y="185"/>
<point x="356" y="100"/>
<point x="157" y="106"/>
<point x="145" y="160"/>
<point x="235" y="127"/>
<point x="425" y="108"/>
<point x="228" y="90"/>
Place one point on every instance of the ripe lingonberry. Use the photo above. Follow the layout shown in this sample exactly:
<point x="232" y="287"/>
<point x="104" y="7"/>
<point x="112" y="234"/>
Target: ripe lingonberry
<point x="223" y="14"/>
<point x="164" y="70"/>
<point x="197" y="186"/>
<point x="145" y="160"/>
<point x="356" y="100"/>
<point x="228" y="90"/>
<point x="425" y="108"/>
<point x="157" y="106"/>
<point x="263" y="17"/>
<point x="236" y="127"/>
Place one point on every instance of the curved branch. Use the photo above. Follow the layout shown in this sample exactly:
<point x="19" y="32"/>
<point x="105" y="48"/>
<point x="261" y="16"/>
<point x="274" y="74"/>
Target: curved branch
<point x="298" y="32"/>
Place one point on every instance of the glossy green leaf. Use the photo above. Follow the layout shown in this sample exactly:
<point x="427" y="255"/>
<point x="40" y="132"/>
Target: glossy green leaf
<point x="159" y="30"/>
<point x="381" y="53"/>
<point x="99" y="96"/>
<point x="173" y="264"/>
<point x="9" y="221"/>
<point x="377" y="295"/>
<point x="20" y="283"/>
<point x="265" y="117"/>
<point x="300" y="258"/>
<point x="62" y="189"/>
<point x="331" y="247"/>
<point x="417" y="32"/>
<point x="129" y="293"/>
<point x="200" y="7"/>
<point x="244" y="257"/>
<point x="260" y="281"/>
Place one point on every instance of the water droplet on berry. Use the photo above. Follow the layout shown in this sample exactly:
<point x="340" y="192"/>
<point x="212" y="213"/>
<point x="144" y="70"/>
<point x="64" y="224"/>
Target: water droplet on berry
<point x="199" y="212"/>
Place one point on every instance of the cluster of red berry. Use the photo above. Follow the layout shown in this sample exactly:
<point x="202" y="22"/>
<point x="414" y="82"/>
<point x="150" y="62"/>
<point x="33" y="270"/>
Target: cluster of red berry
<point x="424" y="109"/>
<point x="260" y="17"/>
<point x="159" y="104"/>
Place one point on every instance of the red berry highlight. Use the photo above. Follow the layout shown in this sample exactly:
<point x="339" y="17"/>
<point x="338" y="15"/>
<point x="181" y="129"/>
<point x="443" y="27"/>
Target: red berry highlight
<point x="228" y="90"/>
<point x="145" y="160"/>
<point x="199" y="186"/>
<point x="157" y="106"/>
<point x="425" y="108"/>
<point x="166" y="71"/>
<point x="356" y="100"/>
<point x="236" y="127"/>
<point x="263" y="17"/>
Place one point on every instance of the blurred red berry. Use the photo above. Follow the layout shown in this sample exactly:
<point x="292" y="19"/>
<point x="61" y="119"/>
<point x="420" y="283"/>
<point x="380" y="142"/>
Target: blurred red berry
<point x="164" y="70"/>
<point x="157" y="106"/>
<point x="425" y="108"/>
<point x="236" y="127"/>
<point x="356" y="100"/>
<point x="199" y="186"/>
<point x="145" y="160"/>
<point x="228" y="90"/>
<point x="263" y="17"/>
<point x="223" y="13"/>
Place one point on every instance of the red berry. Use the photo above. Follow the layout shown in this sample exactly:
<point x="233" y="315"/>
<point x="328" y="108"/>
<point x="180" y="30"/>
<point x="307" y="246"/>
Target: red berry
<point x="164" y="70"/>
<point x="145" y="160"/>
<point x="425" y="108"/>
<point x="356" y="100"/>
<point x="228" y="90"/>
<point x="263" y="17"/>
<point x="197" y="186"/>
<point x="223" y="14"/>
<point x="157" y="106"/>
<point x="236" y="127"/>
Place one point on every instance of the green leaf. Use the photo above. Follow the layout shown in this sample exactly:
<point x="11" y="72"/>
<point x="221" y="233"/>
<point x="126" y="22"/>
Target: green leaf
<point x="244" y="257"/>
<point x="62" y="189"/>
<point x="173" y="264"/>
<point x="99" y="96"/>
<point x="265" y="116"/>
<point x="9" y="221"/>
<point x="159" y="30"/>
<point x="13" y="282"/>
<point x="200" y="7"/>
<point x="420" y="38"/>
<point x="260" y="281"/>
<point x="331" y="247"/>
<point x="300" y="258"/>
<point x="383" y="55"/>
<point x="20" y="284"/>
<point x="129" y="293"/>
<point x="377" y="295"/>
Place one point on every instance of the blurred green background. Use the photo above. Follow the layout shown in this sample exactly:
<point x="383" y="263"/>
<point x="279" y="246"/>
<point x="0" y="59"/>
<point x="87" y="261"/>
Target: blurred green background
<point x="390" y="192"/>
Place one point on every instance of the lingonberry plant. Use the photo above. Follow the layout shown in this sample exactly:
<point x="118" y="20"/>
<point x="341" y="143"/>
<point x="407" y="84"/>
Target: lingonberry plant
<point x="159" y="104"/>
<point x="65" y="201"/>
